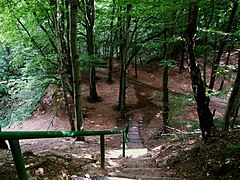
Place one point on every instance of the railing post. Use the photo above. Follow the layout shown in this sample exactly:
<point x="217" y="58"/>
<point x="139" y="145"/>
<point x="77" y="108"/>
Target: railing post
<point x="124" y="142"/>
<point x="18" y="159"/>
<point x="102" y="145"/>
<point x="125" y="132"/>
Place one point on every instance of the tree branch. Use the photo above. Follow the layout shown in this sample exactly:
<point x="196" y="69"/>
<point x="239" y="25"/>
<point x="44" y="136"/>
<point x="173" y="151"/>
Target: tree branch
<point x="46" y="32"/>
<point x="139" y="45"/>
<point x="35" y="43"/>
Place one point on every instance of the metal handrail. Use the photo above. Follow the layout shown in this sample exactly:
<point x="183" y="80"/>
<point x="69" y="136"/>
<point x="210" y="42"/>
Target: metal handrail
<point x="14" y="136"/>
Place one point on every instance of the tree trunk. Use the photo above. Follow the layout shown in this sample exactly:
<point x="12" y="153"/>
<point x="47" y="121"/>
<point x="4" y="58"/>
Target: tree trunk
<point x="64" y="79"/>
<point x="167" y="57"/>
<point x="181" y="65"/>
<point x="68" y="51"/>
<point x="165" y="96"/>
<point x="206" y="41"/>
<point x="235" y="116"/>
<point x="93" y="90"/>
<point x="124" y="63"/>
<point x="222" y="44"/>
<point x="227" y="62"/>
<point x="135" y="67"/>
<point x="120" y="30"/>
<point x="198" y="86"/>
<point x="89" y="21"/>
<point x="110" y="79"/>
<point x="76" y="65"/>
<point x="234" y="99"/>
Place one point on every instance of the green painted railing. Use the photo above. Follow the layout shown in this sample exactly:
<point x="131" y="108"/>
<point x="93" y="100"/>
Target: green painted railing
<point x="14" y="136"/>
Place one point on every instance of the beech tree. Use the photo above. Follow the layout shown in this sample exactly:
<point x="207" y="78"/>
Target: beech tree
<point x="198" y="86"/>
<point x="112" y="38"/>
<point x="166" y="63"/>
<point x="130" y="25"/>
<point x="234" y="99"/>
<point x="223" y="43"/>
<point x="123" y="59"/>
<point x="64" y="57"/>
<point x="87" y="7"/>
<point x="76" y="65"/>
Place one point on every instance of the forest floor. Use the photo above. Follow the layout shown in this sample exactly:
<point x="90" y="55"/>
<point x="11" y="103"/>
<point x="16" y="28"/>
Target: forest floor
<point x="181" y="152"/>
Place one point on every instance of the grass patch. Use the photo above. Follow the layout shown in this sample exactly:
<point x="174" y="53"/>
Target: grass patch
<point x="232" y="148"/>
<point x="177" y="104"/>
<point x="219" y="94"/>
<point x="219" y="123"/>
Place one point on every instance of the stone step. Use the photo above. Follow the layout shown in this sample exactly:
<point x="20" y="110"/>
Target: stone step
<point x="136" y="164"/>
<point x="135" y="124"/>
<point x="113" y="178"/>
<point x="142" y="171"/>
<point x="145" y="158"/>
<point x="149" y="177"/>
<point x="131" y="136"/>
<point x="135" y="140"/>
<point x="133" y="133"/>
<point x="130" y="153"/>
<point x="135" y="145"/>
<point x="133" y="130"/>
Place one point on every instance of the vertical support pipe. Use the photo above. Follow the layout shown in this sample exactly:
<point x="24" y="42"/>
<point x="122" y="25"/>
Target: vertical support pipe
<point x="102" y="145"/>
<point x="18" y="159"/>
<point x="124" y="143"/>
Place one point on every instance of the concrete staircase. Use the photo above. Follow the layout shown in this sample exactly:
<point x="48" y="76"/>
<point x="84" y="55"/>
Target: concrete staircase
<point x="138" y="164"/>
<point x="134" y="139"/>
<point x="143" y="166"/>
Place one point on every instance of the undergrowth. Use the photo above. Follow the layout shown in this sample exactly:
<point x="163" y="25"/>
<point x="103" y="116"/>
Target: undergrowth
<point x="177" y="104"/>
<point x="22" y="100"/>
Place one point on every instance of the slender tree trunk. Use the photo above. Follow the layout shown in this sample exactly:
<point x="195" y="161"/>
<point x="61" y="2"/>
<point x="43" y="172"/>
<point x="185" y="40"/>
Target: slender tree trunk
<point x="167" y="57"/>
<point x="64" y="79"/>
<point x="181" y="66"/>
<point x="140" y="59"/>
<point x="76" y="66"/>
<point x="165" y="96"/>
<point x="215" y="39"/>
<point x="235" y="116"/>
<point x="135" y="67"/>
<point x="110" y="79"/>
<point x="124" y="63"/>
<point x="90" y="19"/>
<point x="222" y="44"/>
<point x="234" y="99"/>
<point x="120" y="30"/>
<point x="227" y="61"/>
<point x="198" y="86"/>
<point x="68" y="53"/>
<point x="206" y="41"/>
<point x="93" y="90"/>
